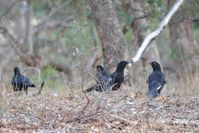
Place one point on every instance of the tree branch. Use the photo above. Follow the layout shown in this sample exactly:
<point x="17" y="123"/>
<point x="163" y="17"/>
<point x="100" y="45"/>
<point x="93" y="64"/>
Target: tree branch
<point x="10" y="38"/>
<point x="53" y="12"/>
<point x="154" y="34"/>
<point x="51" y="24"/>
<point x="29" y="59"/>
<point x="9" y="9"/>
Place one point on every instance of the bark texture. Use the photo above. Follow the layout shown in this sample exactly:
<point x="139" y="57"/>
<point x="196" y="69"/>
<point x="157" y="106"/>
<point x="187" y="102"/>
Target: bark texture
<point x="109" y="31"/>
<point x="182" y="43"/>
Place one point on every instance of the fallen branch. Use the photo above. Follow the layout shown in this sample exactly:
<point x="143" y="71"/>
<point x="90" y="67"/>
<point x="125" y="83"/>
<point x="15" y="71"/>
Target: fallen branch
<point x="87" y="99"/>
<point x="154" y="34"/>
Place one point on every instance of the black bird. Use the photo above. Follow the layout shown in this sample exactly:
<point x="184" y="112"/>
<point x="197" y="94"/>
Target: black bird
<point x="117" y="77"/>
<point x="156" y="80"/>
<point x="102" y="80"/>
<point x="20" y="82"/>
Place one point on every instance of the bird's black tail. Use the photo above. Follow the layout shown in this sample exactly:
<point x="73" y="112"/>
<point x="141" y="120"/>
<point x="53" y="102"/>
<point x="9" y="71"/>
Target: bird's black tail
<point x="32" y="85"/>
<point x="89" y="89"/>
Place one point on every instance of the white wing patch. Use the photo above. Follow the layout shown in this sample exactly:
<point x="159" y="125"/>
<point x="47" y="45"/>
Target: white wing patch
<point x="159" y="87"/>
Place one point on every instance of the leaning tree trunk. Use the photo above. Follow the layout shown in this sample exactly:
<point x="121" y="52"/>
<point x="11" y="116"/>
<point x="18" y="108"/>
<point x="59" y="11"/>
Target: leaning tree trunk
<point x="109" y="31"/>
<point x="181" y="34"/>
<point x="140" y="28"/>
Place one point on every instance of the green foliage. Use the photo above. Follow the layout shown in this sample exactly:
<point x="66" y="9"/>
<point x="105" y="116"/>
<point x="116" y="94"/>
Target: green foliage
<point x="174" y="54"/>
<point x="125" y="20"/>
<point x="40" y="8"/>
<point x="128" y="37"/>
<point x="155" y="3"/>
<point x="53" y="79"/>
<point x="78" y="35"/>
<point x="157" y="11"/>
<point x="124" y="16"/>
<point x="195" y="13"/>
<point x="48" y="72"/>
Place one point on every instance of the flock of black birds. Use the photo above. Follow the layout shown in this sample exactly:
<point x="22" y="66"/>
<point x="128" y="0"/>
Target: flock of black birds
<point x="105" y="82"/>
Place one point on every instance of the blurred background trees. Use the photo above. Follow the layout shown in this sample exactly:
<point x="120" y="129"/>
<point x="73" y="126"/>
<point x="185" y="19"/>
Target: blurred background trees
<point x="68" y="38"/>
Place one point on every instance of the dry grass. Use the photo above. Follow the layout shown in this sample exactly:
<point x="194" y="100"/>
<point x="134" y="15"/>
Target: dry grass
<point x="125" y="110"/>
<point x="185" y="80"/>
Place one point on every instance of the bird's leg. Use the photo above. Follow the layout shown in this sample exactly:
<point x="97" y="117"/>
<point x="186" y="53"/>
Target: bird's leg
<point x="26" y="91"/>
<point x="19" y="94"/>
<point x="15" y="88"/>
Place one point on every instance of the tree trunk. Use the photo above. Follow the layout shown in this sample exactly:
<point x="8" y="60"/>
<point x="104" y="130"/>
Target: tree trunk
<point x="109" y="31"/>
<point x="181" y="34"/>
<point x="140" y="28"/>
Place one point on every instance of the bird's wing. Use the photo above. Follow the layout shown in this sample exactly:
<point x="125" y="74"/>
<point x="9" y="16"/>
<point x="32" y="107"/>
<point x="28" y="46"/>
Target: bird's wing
<point x="102" y="76"/>
<point x="155" y="85"/>
<point x="154" y="88"/>
<point x="25" y="79"/>
<point x="117" y="79"/>
<point x="113" y="77"/>
<point x="157" y="76"/>
<point x="103" y="80"/>
<point x="16" y="80"/>
<point x="163" y="78"/>
<point x="155" y="79"/>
